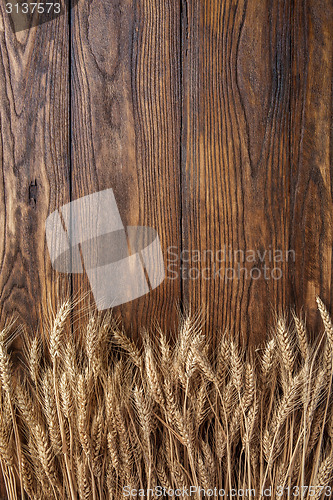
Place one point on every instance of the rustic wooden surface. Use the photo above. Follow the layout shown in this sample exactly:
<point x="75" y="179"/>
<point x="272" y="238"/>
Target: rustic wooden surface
<point x="35" y="169"/>
<point x="211" y="122"/>
<point x="126" y="126"/>
<point x="257" y="150"/>
<point x="311" y="207"/>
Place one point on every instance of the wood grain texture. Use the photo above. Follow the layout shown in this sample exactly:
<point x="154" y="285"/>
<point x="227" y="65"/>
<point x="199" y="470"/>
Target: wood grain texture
<point x="34" y="110"/>
<point x="211" y="122"/>
<point x="253" y="95"/>
<point x="126" y="126"/>
<point x="311" y="156"/>
<point x="34" y="146"/>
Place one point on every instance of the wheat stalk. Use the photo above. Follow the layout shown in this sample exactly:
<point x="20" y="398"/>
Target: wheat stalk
<point x="326" y="320"/>
<point x="89" y="413"/>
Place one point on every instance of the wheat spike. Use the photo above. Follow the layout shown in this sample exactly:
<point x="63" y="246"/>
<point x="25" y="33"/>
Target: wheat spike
<point x="6" y="445"/>
<point x="58" y="328"/>
<point x="302" y="336"/>
<point x="5" y="369"/>
<point x="92" y="419"/>
<point x="83" y="481"/>
<point x="237" y="368"/>
<point x="249" y="389"/>
<point x="66" y="396"/>
<point x="268" y="361"/>
<point x="50" y="410"/>
<point x="82" y="415"/>
<point x="326" y="320"/>
<point x="125" y="343"/>
<point x="153" y="377"/>
<point x="285" y="346"/>
<point x="324" y="475"/>
<point x="34" y="359"/>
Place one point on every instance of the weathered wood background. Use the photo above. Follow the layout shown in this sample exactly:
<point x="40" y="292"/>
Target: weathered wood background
<point x="210" y="119"/>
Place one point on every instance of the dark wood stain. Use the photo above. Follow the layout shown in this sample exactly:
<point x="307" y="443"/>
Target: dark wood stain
<point x="256" y="166"/>
<point x="210" y="120"/>
<point x="126" y="126"/>
<point x="35" y="170"/>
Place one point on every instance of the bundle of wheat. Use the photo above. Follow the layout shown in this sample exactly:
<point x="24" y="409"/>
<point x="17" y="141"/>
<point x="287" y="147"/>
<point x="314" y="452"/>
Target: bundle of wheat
<point x="92" y="415"/>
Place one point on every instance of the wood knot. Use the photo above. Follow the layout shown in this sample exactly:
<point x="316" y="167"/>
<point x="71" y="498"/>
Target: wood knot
<point x="33" y="192"/>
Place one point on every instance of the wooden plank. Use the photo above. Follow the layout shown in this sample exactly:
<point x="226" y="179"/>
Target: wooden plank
<point x="126" y="126"/>
<point x="34" y="110"/>
<point x="311" y="156"/>
<point x="236" y="174"/>
<point x="256" y="172"/>
<point x="256" y="123"/>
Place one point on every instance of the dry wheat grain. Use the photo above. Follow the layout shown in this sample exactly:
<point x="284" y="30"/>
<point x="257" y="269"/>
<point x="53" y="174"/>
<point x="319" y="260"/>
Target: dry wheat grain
<point x="166" y="414"/>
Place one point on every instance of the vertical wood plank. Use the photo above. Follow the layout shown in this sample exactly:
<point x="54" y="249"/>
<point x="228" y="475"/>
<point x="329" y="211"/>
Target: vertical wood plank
<point x="35" y="170"/>
<point x="34" y="110"/>
<point x="236" y="173"/>
<point x="311" y="156"/>
<point x="126" y="126"/>
<point x="256" y="163"/>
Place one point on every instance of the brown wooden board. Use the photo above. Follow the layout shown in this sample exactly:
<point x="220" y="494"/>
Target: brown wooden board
<point x="210" y="120"/>
<point x="311" y="157"/>
<point x="256" y="165"/>
<point x="34" y="112"/>
<point x="34" y="146"/>
<point x="125" y="127"/>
